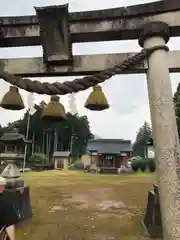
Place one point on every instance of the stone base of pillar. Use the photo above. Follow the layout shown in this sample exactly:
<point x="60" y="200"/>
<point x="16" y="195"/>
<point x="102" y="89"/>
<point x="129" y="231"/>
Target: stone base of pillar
<point x="152" y="222"/>
<point x="15" y="206"/>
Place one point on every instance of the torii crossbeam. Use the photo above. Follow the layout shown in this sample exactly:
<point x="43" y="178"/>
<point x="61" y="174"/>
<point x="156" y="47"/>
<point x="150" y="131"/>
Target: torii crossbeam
<point x="102" y="25"/>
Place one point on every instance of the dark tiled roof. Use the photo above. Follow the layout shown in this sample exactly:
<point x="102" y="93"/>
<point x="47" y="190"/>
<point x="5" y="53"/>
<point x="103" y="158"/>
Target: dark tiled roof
<point x="13" y="136"/>
<point x="112" y="146"/>
<point x="61" y="154"/>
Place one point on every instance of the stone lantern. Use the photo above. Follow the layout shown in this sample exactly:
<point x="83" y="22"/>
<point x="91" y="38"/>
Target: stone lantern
<point x="13" y="154"/>
<point x="150" y="147"/>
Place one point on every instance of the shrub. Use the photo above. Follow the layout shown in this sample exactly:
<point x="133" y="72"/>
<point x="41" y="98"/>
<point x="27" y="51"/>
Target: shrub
<point x="135" y="168"/>
<point x="78" y="165"/>
<point x="139" y="164"/>
<point x="143" y="166"/>
<point x="152" y="166"/>
<point x="38" y="158"/>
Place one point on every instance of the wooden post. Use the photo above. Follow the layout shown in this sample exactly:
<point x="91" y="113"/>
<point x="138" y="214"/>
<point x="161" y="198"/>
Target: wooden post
<point x="65" y="163"/>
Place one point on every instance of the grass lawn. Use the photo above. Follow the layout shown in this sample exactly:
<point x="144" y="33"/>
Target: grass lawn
<point x="83" y="206"/>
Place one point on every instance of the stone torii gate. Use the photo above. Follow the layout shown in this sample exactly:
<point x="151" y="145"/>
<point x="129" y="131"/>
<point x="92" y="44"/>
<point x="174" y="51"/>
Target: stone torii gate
<point x="152" y="24"/>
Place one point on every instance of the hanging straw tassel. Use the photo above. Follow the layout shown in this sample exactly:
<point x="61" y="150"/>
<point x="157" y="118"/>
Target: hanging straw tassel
<point x="97" y="101"/>
<point x="12" y="100"/>
<point x="54" y="111"/>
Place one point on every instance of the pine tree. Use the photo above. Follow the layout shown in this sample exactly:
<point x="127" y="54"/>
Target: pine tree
<point x="176" y="100"/>
<point x="143" y="136"/>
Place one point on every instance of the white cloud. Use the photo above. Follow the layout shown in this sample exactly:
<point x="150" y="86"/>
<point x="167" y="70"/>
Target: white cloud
<point x="127" y="94"/>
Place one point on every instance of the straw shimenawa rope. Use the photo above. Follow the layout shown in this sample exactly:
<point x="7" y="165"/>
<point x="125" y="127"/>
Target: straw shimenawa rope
<point x="78" y="84"/>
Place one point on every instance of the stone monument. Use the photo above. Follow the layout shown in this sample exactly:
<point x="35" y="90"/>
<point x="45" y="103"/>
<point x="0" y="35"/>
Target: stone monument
<point x="13" y="154"/>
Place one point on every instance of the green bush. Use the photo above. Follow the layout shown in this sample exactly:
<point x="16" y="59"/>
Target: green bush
<point x="38" y="158"/>
<point x="143" y="166"/>
<point x="135" y="168"/>
<point x="152" y="165"/>
<point x="78" y="166"/>
<point x="139" y="164"/>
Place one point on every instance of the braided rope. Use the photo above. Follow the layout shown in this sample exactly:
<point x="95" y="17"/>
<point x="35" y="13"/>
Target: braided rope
<point x="3" y="233"/>
<point x="78" y="84"/>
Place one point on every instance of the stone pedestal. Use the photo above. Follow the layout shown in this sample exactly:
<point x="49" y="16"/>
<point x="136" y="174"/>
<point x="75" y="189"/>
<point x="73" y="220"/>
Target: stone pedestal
<point x="15" y="206"/>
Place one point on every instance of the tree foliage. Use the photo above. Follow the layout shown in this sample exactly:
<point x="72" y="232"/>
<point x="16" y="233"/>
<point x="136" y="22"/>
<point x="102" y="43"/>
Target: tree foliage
<point x="139" y="144"/>
<point x="143" y="136"/>
<point x="73" y="133"/>
<point x="176" y="100"/>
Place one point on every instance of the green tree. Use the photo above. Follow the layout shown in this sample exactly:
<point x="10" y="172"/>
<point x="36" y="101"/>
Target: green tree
<point x="143" y="136"/>
<point x="2" y="131"/>
<point x="176" y="100"/>
<point x="72" y="134"/>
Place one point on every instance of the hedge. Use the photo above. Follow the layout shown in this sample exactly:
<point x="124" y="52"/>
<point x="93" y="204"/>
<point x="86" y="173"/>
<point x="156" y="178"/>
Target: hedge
<point x="143" y="165"/>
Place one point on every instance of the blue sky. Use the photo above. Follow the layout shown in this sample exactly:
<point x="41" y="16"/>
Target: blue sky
<point x="127" y="94"/>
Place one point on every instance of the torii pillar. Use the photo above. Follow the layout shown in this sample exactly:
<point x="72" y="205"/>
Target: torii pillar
<point x="166" y="141"/>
